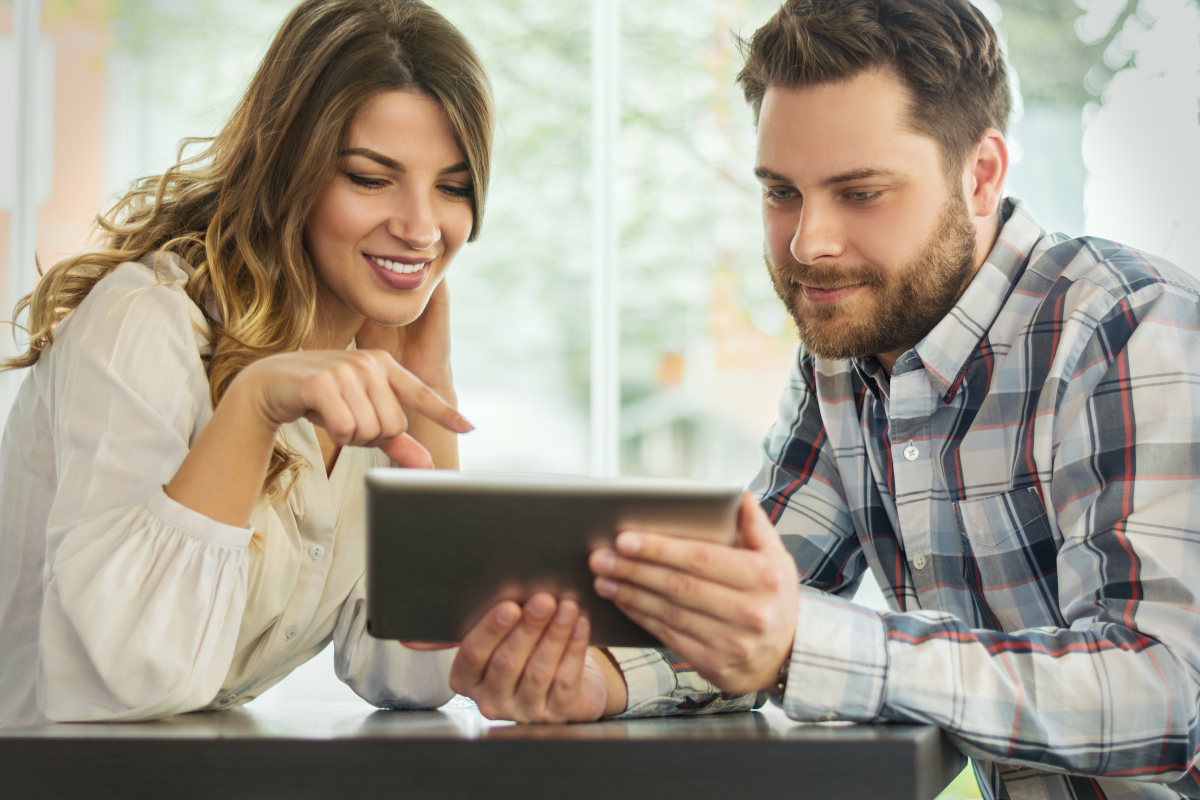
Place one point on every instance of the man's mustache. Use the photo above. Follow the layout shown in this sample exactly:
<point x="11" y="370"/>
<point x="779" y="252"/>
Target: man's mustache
<point x="830" y="276"/>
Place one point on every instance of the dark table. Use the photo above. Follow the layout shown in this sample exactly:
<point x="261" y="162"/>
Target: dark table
<point x="319" y="750"/>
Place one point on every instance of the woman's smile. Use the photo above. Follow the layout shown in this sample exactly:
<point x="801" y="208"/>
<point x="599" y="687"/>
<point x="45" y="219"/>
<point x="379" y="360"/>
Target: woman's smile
<point x="400" y="272"/>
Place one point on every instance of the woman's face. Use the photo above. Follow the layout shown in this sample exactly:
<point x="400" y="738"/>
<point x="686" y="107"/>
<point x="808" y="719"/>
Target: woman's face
<point x="396" y="211"/>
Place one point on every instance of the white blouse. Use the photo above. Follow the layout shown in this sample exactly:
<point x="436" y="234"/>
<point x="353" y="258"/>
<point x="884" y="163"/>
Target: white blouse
<point x="116" y="602"/>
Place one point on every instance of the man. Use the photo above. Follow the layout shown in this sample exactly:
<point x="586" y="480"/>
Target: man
<point x="1001" y="424"/>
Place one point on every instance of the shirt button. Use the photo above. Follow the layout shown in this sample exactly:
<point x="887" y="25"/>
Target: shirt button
<point x="919" y="562"/>
<point x="911" y="452"/>
<point x="316" y="551"/>
<point x="292" y="631"/>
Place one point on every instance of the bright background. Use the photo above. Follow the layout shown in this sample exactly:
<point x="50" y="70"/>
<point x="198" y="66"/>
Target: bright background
<point x="1104" y="141"/>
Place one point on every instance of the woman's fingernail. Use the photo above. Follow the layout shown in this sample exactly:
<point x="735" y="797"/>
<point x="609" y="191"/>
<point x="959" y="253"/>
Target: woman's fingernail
<point x="606" y="587"/>
<point x="629" y="543"/>
<point x="565" y="612"/>
<point x="506" y="615"/>
<point x="603" y="561"/>
<point x="581" y="628"/>
<point x="464" y="426"/>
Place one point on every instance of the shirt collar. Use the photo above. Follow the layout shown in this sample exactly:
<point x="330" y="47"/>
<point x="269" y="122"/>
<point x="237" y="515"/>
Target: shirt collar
<point x="947" y="350"/>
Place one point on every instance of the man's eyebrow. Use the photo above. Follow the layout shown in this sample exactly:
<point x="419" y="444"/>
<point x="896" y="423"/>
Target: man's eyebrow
<point x="861" y="175"/>
<point x="764" y="174"/>
<point x="391" y="163"/>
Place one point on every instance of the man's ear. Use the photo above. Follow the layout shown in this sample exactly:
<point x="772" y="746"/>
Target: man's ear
<point x="984" y="173"/>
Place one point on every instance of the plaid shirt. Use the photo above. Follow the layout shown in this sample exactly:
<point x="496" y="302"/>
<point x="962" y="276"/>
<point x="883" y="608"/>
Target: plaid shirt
<point x="1025" y="488"/>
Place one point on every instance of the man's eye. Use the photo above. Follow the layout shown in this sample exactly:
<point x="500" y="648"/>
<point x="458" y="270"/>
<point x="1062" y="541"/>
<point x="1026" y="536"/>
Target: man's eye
<point x="362" y="180"/>
<point x="861" y="197"/>
<point x="780" y="194"/>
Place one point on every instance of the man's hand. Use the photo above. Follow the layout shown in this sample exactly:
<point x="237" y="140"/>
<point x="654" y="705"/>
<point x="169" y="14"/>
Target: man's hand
<point x="729" y="611"/>
<point x="534" y="665"/>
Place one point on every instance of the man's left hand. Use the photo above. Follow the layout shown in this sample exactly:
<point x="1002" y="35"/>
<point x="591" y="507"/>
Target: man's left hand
<point x="729" y="611"/>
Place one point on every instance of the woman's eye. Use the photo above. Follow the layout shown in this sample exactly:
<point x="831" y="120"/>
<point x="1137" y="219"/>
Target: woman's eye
<point x="458" y="191"/>
<point x="362" y="180"/>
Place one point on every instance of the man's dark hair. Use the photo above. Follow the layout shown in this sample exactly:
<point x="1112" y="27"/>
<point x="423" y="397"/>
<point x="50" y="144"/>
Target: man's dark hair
<point x="945" y="52"/>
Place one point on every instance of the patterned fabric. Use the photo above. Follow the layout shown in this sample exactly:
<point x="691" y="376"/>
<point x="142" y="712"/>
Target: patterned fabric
<point x="1025" y="487"/>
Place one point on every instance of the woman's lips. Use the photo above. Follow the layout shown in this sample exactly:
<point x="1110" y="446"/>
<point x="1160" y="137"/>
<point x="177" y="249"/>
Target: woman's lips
<point x="821" y="296"/>
<point x="399" y="280"/>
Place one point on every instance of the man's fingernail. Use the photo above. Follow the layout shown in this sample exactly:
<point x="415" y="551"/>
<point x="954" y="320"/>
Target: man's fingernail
<point x="506" y="615"/>
<point x="629" y="543"/>
<point x="565" y="612"/>
<point x="606" y="587"/>
<point x="581" y="626"/>
<point x="603" y="561"/>
<point x="538" y="608"/>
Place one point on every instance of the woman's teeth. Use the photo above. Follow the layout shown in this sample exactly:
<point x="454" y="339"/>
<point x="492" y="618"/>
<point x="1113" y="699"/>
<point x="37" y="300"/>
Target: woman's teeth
<point x="394" y="266"/>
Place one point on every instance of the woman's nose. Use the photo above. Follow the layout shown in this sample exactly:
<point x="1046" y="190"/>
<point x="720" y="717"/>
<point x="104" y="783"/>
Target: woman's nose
<point x="414" y="223"/>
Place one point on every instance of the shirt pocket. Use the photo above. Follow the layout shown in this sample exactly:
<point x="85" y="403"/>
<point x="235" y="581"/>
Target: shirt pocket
<point x="1012" y="558"/>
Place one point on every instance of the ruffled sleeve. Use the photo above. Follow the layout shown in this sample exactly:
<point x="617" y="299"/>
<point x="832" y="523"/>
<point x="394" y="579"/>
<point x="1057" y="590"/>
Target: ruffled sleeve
<point x="142" y="596"/>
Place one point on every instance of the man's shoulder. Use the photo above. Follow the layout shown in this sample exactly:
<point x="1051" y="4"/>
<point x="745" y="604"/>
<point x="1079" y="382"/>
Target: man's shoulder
<point x="1089" y="269"/>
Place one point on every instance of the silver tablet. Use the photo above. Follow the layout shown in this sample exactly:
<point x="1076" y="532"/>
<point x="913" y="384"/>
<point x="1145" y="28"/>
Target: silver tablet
<point x="444" y="547"/>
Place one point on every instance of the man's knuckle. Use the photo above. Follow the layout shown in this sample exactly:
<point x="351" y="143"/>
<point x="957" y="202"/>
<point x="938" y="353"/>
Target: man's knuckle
<point x="538" y="676"/>
<point x="681" y="585"/>
<point x="504" y="663"/>
<point x="699" y="556"/>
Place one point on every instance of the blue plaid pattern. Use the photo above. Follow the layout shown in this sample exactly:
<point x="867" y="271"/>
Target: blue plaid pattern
<point x="1025" y="487"/>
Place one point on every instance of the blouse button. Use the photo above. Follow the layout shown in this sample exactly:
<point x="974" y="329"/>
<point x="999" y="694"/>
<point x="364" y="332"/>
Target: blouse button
<point x="292" y="631"/>
<point x="316" y="551"/>
<point x="919" y="562"/>
<point x="911" y="452"/>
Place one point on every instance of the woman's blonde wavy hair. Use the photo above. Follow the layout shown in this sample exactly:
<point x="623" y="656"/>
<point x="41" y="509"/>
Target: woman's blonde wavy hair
<point x="237" y="211"/>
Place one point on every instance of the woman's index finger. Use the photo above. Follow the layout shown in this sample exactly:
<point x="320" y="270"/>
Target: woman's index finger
<point x="415" y="394"/>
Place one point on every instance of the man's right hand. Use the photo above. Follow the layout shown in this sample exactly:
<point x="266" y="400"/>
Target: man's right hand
<point x="533" y="664"/>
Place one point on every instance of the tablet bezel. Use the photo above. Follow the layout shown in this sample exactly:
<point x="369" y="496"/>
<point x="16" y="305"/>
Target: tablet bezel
<point x="491" y="536"/>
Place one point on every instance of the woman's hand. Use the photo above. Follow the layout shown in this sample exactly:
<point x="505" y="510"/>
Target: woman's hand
<point x="534" y="665"/>
<point x="423" y="348"/>
<point x="356" y="396"/>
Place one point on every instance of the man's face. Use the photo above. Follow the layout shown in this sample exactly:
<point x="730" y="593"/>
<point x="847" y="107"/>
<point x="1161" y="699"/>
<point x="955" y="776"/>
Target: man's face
<point x="866" y="244"/>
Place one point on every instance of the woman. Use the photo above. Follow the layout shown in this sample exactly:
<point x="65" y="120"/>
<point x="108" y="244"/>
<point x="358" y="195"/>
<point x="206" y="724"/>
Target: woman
<point x="180" y="522"/>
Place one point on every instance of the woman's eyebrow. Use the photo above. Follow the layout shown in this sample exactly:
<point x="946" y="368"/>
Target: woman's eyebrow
<point x="380" y="158"/>
<point x="391" y="163"/>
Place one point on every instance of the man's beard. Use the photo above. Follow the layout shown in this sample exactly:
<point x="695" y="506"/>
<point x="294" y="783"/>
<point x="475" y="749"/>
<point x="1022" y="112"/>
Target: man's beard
<point x="911" y="301"/>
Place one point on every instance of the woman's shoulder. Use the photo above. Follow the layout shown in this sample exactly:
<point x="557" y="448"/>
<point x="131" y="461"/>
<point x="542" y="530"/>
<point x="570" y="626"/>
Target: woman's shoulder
<point x="144" y="300"/>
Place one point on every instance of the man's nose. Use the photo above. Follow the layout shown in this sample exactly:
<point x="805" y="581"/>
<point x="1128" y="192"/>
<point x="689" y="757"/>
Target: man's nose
<point x="818" y="234"/>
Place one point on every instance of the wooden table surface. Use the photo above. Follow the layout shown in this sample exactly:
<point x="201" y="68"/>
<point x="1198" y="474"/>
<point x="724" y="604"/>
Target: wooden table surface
<point x="325" y="750"/>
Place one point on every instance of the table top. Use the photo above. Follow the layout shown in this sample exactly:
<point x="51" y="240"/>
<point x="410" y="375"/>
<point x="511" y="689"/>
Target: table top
<point x="302" y="750"/>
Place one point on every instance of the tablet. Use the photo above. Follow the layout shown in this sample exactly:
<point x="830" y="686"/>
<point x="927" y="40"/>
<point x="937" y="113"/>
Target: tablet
<point x="444" y="547"/>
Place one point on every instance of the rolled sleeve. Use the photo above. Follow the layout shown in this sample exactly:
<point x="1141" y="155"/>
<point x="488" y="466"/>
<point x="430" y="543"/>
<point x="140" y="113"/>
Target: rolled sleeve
<point x="839" y="661"/>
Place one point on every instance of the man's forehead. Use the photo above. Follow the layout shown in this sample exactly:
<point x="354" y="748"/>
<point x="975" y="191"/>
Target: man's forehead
<point x="838" y="129"/>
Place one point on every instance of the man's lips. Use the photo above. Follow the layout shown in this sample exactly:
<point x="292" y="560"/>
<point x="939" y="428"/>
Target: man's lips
<point x="816" y="295"/>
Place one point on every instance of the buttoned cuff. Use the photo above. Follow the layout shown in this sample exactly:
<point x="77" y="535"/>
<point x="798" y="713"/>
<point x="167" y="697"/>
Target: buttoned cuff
<point x="649" y="678"/>
<point x="193" y="522"/>
<point x="839" y="661"/>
